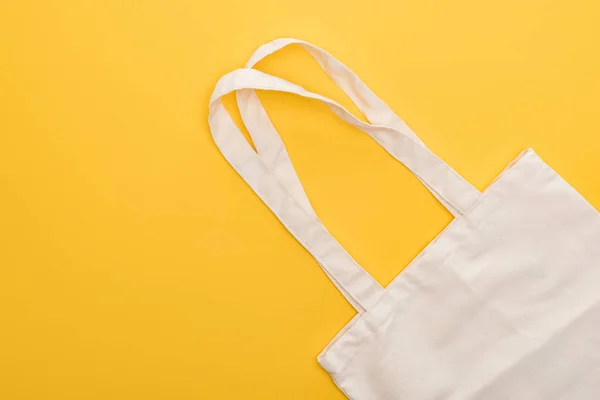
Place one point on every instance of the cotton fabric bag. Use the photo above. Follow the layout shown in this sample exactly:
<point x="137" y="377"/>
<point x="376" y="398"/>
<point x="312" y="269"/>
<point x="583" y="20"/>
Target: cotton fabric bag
<point x="503" y="304"/>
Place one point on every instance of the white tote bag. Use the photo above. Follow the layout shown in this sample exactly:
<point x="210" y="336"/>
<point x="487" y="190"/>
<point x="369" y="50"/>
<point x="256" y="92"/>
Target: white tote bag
<point x="503" y="304"/>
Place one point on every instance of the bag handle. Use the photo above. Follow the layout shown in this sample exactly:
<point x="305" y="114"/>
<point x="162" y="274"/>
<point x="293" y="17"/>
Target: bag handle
<point x="359" y="287"/>
<point x="361" y="290"/>
<point x="269" y="144"/>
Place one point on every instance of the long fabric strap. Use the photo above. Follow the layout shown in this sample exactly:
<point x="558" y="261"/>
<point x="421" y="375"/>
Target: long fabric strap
<point x="359" y="287"/>
<point x="361" y="290"/>
<point x="270" y="145"/>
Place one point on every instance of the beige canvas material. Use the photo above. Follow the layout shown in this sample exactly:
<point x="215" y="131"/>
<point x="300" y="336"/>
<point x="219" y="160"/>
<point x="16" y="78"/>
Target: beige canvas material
<point x="503" y="304"/>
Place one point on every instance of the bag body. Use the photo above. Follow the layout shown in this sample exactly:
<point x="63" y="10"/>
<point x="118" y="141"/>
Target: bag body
<point x="503" y="304"/>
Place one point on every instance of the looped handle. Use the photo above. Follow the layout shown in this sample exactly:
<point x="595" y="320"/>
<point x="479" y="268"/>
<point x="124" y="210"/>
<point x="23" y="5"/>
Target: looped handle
<point x="269" y="143"/>
<point x="372" y="107"/>
<point x="361" y="290"/>
<point x="272" y="176"/>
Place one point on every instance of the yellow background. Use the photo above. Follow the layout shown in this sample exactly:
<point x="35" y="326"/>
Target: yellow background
<point x="136" y="264"/>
